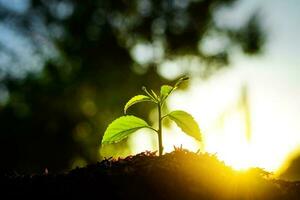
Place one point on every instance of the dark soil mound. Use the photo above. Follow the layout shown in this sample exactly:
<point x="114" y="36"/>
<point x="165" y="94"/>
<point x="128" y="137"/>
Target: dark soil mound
<point x="178" y="175"/>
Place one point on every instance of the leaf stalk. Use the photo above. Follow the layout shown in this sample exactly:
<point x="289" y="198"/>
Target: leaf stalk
<point x="159" y="131"/>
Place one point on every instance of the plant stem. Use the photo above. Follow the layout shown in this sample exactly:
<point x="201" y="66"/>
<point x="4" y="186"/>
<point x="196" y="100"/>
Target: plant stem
<point x="159" y="131"/>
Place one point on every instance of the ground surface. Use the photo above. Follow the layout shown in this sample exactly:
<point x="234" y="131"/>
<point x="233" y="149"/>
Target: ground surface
<point x="178" y="175"/>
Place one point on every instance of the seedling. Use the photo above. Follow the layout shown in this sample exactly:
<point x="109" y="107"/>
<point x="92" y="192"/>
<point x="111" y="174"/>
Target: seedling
<point x="122" y="127"/>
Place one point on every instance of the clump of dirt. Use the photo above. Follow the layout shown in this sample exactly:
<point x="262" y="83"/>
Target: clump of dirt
<point x="177" y="175"/>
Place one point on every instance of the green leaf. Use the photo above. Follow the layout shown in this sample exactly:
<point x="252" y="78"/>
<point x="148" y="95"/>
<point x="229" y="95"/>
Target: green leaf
<point x="122" y="127"/>
<point x="182" y="79"/>
<point x="136" y="99"/>
<point x="186" y="122"/>
<point x="165" y="91"/>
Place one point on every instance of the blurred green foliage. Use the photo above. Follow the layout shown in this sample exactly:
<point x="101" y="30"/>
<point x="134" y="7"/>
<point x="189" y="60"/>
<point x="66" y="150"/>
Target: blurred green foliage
<point x="56" y="116"/>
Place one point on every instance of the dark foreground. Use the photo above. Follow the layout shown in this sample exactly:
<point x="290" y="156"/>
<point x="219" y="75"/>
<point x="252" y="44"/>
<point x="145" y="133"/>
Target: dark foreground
<point x="178" y="175"/>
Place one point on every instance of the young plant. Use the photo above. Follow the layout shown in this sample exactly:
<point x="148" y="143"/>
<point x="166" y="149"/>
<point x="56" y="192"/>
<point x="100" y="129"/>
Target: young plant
<point x="122" y="127"/>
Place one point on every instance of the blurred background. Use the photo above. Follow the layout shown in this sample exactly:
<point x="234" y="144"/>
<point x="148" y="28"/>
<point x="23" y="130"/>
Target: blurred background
<point x="68" y="67"/>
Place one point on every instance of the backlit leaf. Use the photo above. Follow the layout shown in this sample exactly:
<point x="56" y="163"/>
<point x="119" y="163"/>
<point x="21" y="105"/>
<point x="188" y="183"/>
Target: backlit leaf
<point x="186" y="122"/>
<point x="165" y="90"/>
<point x="181" y="80"/>
<point x="136" y="99"/>
<point x="122" y="127"/>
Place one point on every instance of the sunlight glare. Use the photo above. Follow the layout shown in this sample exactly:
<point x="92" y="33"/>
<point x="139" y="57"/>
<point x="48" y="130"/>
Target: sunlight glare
<point x="215" y="105"/>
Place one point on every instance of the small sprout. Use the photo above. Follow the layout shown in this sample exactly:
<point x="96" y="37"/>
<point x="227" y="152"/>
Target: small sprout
<point x="122" y="127"/>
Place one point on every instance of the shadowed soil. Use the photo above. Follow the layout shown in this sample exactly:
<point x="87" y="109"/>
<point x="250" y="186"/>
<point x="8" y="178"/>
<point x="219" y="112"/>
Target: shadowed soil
<point x="177" y="175"/>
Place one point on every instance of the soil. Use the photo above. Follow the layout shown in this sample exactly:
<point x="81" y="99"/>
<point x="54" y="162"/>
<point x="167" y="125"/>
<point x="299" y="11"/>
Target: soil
<point x="178" y="175"/>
